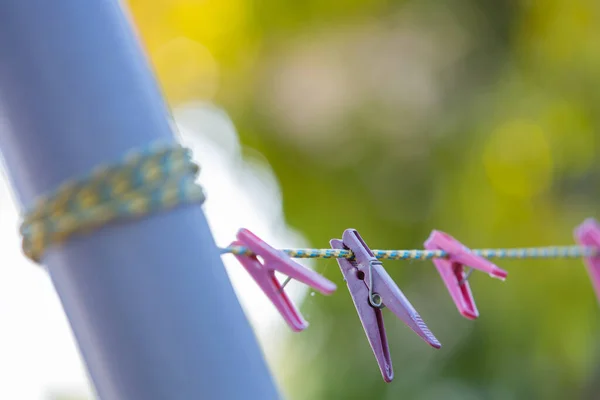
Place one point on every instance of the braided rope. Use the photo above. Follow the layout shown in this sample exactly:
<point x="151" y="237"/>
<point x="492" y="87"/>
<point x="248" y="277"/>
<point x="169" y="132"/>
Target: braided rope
<point x="157" y="178"/>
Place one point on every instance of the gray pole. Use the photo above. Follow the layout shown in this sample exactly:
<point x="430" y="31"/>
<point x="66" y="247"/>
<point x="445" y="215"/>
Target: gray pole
<point x="151" y="306"/>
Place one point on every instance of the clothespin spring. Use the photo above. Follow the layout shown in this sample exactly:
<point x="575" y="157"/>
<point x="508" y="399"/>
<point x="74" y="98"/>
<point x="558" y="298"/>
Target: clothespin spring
<point x="375" y="299"/>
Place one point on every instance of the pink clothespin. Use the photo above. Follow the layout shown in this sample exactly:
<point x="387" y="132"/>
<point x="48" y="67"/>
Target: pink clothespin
<point x="588" y="234"/>
<point x="452" y="270"/>
<point x="264" y="275"/>
<point x="371" y="289"/>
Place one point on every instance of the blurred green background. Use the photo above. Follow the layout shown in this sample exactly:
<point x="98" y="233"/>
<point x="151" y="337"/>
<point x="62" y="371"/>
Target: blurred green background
<point x="475" y="117"/>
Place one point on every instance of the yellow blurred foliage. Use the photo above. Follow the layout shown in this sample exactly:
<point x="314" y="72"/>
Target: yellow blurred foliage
<point x="190" y="41"/>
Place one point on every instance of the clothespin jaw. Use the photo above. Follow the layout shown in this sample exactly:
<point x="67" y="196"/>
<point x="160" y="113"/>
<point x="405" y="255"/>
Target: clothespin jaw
<point x="588" y="234"/>
<point x="372" y="289"/>
<point x="264" y="275"/>
<point x="451" y="269"/>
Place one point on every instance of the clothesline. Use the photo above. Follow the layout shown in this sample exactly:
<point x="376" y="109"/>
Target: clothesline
<point x="508" y="253"/>
<point x="548" y="252"/>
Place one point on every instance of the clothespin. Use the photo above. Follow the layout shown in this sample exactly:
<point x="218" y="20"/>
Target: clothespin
<point x="452" y="271"/>
<point x="588" y="234"/>
<point x="264" y="275"/>
<point x="371" y="289"/>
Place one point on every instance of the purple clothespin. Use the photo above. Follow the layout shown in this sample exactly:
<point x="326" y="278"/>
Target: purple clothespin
<point x="588" y="234"/>
<point x="264" y="275"/>
<point x="452" y="271"/>
<point x="371" y="289"/>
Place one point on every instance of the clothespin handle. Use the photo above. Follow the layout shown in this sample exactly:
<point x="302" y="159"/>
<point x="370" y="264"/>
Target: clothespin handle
<point x="459" y="253"/>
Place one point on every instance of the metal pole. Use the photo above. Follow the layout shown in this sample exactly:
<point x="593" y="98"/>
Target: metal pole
<point x="151" y="306"/>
